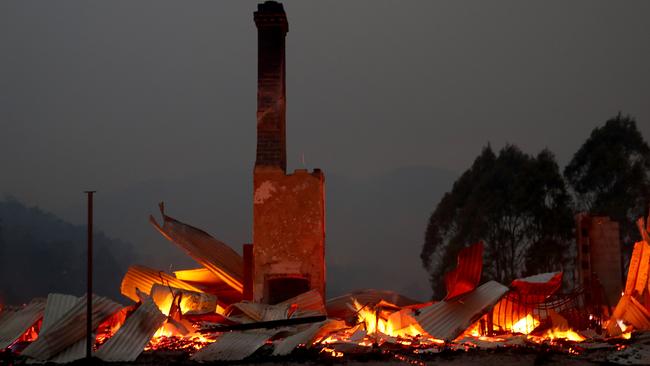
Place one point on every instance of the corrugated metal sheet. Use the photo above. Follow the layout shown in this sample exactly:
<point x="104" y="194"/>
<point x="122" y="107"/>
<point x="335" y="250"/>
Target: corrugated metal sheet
<point x="539" y="278"/>
<point x="338" y="307"/>
<point x="78" y="350"/>
<point x="644" y="270"/>
<point x="526" y="294"/>
<point x="208" y="282"/>
<point x="543" y="285"/>
<point x="402" y="318"/>
<point x="633" y="269"/>
<point x="234" y="346"/>
<point x="55" y="308"/>
<point x="143" y="278"/>
<point x="308" y="303"/>
<point x="5" y="313"/>
<point x="130" y="340"/>
<point x="637" y="274"/>
<point x="190" y="301"/>
<point x="629" y="309"/>
<point x="70" y="328"/>
<point x="644" y="229"/>
<point x="465" y="277"/>
<point x="73" y="353"/>
<point x="448" y="319"/>
<point x="308" y="336"/>
<point x="305" y="304"/>
<point x="214" y="255"/>
<point x="632" y="312"/>
<point x="200" y="275"/>
<point x="258" y="312"/>
<point x="16" y="323"/>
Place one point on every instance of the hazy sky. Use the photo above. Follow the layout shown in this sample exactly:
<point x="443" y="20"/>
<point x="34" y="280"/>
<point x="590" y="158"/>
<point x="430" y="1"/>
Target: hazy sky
<point x="159" y="97"/>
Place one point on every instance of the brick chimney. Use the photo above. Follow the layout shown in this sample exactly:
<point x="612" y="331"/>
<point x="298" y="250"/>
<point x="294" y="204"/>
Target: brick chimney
<point x="288" y="209"/>
<point x="272" y="28"/>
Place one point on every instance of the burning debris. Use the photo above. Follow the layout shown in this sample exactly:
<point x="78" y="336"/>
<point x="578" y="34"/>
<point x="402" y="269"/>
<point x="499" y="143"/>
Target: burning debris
<point x="632" y="310"/>
<point x="21" y="324"/>
<point x="174" y="315"/>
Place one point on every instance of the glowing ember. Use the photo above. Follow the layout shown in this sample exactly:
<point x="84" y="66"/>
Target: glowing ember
<point x="190" y="343"/>
<point x="31" y="334"/>
<point x="331" y="352"/>
<point x="169" y="337"/>
<point x="110" y="326"/>
<point x="568" y="334"/>
<point x="186" y="301"/>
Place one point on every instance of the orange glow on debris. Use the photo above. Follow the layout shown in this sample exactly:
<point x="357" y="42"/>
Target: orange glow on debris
<point x="525" y="325"/>
<point x="568" y="334"/>
<point x="377" y="321"/>
<point x="168" y="337"/>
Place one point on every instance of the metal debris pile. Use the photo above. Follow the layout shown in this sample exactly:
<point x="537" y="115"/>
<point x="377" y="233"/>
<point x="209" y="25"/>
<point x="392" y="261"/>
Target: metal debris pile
<point x="200" y="312"/>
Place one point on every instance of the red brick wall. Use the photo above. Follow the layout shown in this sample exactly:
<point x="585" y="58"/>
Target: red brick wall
<point x="288" y="228"/>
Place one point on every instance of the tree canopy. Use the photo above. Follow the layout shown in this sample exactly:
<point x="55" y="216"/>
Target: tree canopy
<point x="610" y="174"/>
<point x="516" y="203"/>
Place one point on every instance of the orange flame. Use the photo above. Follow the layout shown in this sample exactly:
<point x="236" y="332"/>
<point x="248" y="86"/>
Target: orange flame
<point x="375" y="322"/>
<point x="525" y="325"/>
<point x="568" y="334"/>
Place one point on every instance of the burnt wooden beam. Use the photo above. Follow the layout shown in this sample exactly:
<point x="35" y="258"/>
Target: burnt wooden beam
<point x="265" y="325"/>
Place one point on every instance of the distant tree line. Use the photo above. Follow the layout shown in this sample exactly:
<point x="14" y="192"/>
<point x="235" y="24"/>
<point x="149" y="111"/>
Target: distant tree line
<point x="523" y="207"/>
<point x="41" y="254"/>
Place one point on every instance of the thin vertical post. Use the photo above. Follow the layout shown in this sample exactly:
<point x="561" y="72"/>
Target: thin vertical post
<point x="248" y="272"/>
<point x="89" y="279"/>
<point x="490" y="322"/>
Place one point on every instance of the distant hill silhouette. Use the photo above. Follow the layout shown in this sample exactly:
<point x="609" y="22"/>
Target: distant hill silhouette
<point x="40" y="254"/>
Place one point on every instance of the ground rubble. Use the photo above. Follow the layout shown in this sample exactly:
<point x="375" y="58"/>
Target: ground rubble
<point x="198" y="316"/>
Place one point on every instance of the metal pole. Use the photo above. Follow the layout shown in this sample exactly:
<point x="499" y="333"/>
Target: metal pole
<point x="89" y="279"/>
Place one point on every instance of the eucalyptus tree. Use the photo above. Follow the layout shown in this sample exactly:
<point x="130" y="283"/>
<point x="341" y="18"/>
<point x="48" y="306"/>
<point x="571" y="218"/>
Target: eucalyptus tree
<point x="516" y="203"/>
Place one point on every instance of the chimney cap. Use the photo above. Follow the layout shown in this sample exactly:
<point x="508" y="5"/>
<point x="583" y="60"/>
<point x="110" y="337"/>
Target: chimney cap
<point x="270" y="7"/>
<point x="270" y="14"/>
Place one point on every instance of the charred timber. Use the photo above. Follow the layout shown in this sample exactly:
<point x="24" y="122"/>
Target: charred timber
<point x="265" y="325"/>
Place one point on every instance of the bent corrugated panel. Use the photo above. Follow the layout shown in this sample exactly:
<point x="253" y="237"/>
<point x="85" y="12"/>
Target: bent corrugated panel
<point x="208" y="282"/>
<point x="632" y="312"/>
<point x="14" y="324"/>
<point x="198" y="275"/>
<point x="130" y="340"/>
<point x="465" y="277"/>
<point x="143" y="279"/>
<point x="448" y="319"/>
<point x="56" y="307"/>
<point x="235" y="346"/>
<point x="258" y="312"/>
<point x="339" y="306"/>
<point x="214" y="255"/>
<point x="522" y="300"/>
<point x="633" y="269"/>
<point x="307" y="303"/>
<point x="543" y="284"/>
<point x="307" y="336"/>
<point x="70" y="328"/>
<point x="73" y="353"/>
<point x="190" y="301"/>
